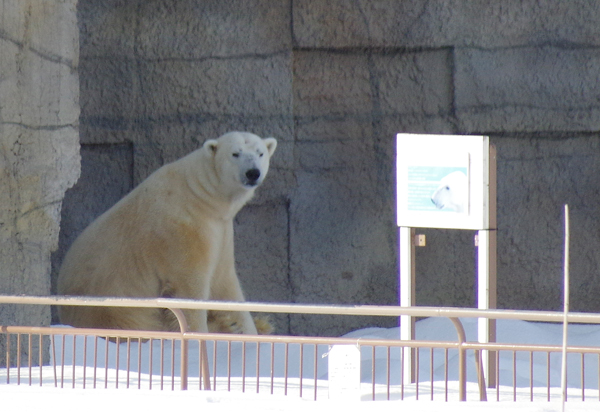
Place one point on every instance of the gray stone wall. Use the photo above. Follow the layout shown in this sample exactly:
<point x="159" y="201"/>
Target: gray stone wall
<point x="334" y="81"/>
<point x="39" y="146"/>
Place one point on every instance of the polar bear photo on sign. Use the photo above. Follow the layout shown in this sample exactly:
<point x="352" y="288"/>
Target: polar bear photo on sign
<point x="452" y="192"/>
<point x="171" y="236"/>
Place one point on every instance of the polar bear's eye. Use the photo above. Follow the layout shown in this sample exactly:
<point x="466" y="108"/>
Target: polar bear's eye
<point x="236" y="155"/>
<point x="260" y="154"/>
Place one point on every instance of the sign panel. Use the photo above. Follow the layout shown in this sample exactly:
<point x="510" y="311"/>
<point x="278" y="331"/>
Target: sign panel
<point x="443" y="181"/>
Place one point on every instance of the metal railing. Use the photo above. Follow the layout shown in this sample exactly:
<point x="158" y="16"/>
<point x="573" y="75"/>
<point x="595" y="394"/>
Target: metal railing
<point x="193" y="360"/>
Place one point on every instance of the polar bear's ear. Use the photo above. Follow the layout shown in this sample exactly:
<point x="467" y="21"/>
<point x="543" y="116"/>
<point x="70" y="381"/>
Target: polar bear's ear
<point x="211" y="146"/>
<point x="271" y="144"/>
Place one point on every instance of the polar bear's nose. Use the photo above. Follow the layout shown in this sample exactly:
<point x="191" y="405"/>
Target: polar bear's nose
<point x="253" y="175"/>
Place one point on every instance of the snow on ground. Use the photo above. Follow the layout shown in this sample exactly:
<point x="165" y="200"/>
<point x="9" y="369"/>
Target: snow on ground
<point x="26" y="398"/>
<point x="112" y="362"/>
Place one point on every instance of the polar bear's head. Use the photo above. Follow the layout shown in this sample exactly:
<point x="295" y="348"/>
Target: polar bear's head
<point x="240" y="159"/>
<point x="452" y="193"/>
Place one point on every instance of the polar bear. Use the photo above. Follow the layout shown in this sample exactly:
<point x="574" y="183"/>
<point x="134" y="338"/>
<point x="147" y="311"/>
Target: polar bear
<point x="452" y="193"/>
<point x="172" y="236"/>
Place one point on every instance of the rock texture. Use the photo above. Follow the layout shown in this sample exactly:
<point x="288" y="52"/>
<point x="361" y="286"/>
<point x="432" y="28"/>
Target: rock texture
<point x="39" y="146"/>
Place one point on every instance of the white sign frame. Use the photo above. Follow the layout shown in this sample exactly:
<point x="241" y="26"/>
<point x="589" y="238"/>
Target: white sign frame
<point x="430" y="154"/>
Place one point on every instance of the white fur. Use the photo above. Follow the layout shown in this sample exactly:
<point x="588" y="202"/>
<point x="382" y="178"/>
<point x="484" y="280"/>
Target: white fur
<point x="172" y="236"/>
<point x="452" y="193"/>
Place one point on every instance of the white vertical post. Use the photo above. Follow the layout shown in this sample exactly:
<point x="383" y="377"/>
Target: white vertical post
<point x="487" y="267"/>
<point x="407" y="297"/>
<point x="563" y="372"/>
<point x="486" y="299"/>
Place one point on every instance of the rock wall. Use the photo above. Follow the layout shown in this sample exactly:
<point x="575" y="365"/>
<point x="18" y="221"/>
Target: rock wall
<point x="39" y="145"/>
<point x="334" y="81"/>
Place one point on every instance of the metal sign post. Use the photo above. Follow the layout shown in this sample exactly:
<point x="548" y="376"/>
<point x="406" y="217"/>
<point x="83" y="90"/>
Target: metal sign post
<point x="407" y="298"/>
<point x="486" y="299"/>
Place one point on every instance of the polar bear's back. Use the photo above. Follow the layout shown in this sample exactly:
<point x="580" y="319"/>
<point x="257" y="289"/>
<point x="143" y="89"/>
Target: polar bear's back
<point x="129" y="250"/>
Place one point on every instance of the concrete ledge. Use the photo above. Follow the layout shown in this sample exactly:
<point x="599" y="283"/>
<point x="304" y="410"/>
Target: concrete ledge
<point x="525" y="89"/>
<point x="440" y="23"/>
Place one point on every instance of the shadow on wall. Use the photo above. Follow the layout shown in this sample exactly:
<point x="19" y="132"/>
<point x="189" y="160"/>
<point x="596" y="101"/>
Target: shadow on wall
<point x="106" y="176"/>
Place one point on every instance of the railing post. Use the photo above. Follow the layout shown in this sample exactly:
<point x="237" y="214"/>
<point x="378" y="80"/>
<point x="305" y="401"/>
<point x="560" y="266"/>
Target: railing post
<point x="480" y="376"/>
<point x="462" y="359"/>
<point x="204" y="360"/>
<point x="183" y="327"/>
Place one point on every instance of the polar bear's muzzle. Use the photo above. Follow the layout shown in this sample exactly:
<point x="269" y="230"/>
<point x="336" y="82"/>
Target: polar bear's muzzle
<point x="252" y="177"/>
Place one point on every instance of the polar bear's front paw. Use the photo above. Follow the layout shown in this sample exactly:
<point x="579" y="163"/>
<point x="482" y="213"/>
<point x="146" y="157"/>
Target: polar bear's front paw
<point x="219" y="322"/>
<point x="263" y="325"/>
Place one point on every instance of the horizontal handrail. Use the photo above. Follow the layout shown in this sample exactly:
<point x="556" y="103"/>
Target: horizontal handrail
<point x="361" y="310"/>
<point x="123" y="333"/>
